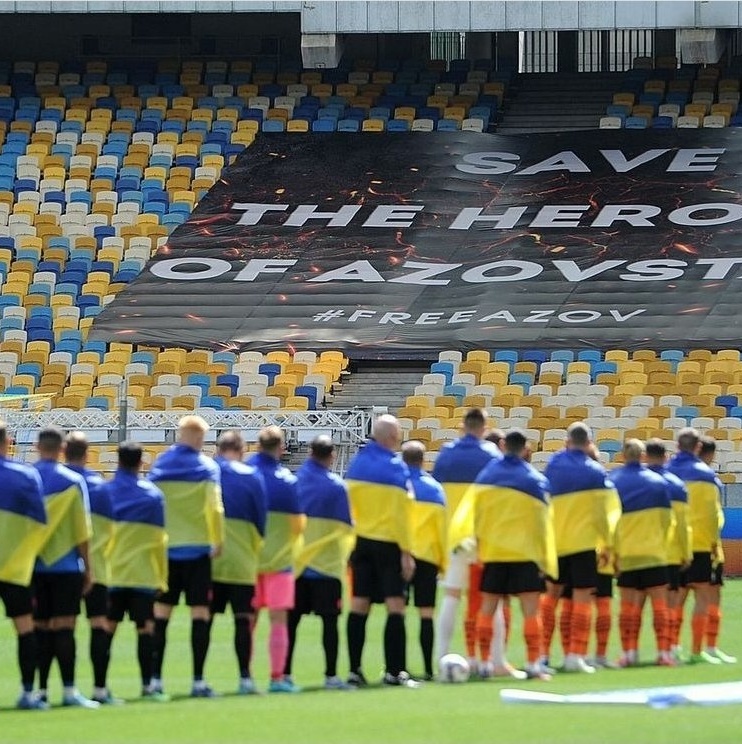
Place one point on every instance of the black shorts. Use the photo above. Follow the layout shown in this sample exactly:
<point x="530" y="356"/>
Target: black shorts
<point x="237" y="596"/>
<point x="57" y="594"/>
<point x="717" y="575"/>
<point x="377" y="570"/>
<point x="643" y="578"/>
<point x="424" y="583"/>
<point x="513" y="577"/>
<point x="700" y="570"/>
<point x="137" y="603"/>
<point x="579" y="570"/>
<point x="96" y="601"/>
<point x="192" y="577"/>
<point x="319" y="596"/>
<point x="604" y="587"/>
<point x="18" y="600"/>
<point x="676" y="578"/>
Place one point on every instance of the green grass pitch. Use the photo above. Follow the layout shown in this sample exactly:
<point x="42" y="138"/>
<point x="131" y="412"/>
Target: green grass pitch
<point x="435" y="713"/>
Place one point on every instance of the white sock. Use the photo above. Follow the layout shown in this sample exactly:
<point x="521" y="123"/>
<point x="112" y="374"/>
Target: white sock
<point x="68" y="691"/>
<point x="497" y="647"/>
<point x="446" y="623"/>
<point x="100" y="691"/>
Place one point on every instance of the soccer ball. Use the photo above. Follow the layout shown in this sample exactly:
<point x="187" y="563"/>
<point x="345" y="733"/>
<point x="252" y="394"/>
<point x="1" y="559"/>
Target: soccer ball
<point x="453" y="668"/>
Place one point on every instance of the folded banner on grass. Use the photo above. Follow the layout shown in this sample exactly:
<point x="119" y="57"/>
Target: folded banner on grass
<point x="719" y="693"/>
<point x="399" y="243"/>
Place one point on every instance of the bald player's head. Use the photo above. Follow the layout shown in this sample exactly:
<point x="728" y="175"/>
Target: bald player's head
<point x="192" y="430"/>
<point x="386" y="431"/>
<point x="413" y="453"/>
<point x="322" y="450"/>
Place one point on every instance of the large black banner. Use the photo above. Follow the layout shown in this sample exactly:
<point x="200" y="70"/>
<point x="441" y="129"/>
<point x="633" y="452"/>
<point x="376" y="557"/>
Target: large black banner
<point x="399" y="244"/>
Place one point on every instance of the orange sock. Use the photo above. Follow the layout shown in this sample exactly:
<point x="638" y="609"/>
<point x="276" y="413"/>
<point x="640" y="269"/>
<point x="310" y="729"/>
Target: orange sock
<point x="532" y="632"/>
<point x="565" y="622"/>
<point x="602" y="624"/>
<point x="625" y="624"/>
<point x="713" y="618"/>
<point x="470" y="636"/>
<point x="698" y="629"/>
<point x="484" y="636"/>
<point x="579" y="633"/>
<point x="473" y="603"/>
<point x="547" y="610"/>
<point x="677" y="625"/>
<point x="660" y="615"/>
<point x="507" y="617"/>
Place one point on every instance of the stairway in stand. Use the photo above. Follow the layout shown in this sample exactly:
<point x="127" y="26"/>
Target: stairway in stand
<point x="377" y="385"/>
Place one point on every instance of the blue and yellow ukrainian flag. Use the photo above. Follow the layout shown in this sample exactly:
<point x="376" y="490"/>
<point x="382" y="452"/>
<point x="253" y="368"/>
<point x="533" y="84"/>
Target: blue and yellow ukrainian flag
<point x="328" y="535"/>
<point x="285" y="522"/>
<point x="67" y="510"/>
<point x="429" y="523"/>
<point x="193" y="496"/>
<point x="509" y="512"/>
<point x="380" y="496"/>
<point x="586" y="507"/>
<point x="680" y="541"/>
<point x="458" y="464"/>
<point x="137" y="555"/>
<point x="245" y="511"/>
<point x="22" y="521"/>
<point x="705" y="515"/>
<point x="644" y="530"/>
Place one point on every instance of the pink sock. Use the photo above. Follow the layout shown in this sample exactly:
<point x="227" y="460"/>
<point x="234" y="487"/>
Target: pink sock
<point x="278" y="646"/>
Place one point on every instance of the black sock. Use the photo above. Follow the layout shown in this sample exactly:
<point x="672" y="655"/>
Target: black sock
<point x="100" y="654"/>
<point x="145" y="646"/>
<point x="330" y="643"/>
<point x="394" y="643"/>
<point x="65" y="650"/>
<point x="45" y="646"/>
<point x="292" y="625"/>
<point x="242" y="645"/>
<point x="27" y="659"/>
<point x="356" y="632"/>
<point x="199" y="646"/>
<point x="158" y="646"/>
<point x="426" y="643"/>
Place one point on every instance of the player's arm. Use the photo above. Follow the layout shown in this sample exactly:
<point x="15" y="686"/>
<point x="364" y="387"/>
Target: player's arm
<point x="83" y="549"/>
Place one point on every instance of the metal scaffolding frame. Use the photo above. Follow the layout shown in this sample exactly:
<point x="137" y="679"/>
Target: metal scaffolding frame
<point x="348" y="429"/>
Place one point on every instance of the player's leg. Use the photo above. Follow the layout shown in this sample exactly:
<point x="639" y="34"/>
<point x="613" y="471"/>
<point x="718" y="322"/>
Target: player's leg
<point x="66" y="599"/>
<point x="713" y="622"/>
<point x="478" y="638"/>
<point x="657" y="594"/>
<point x="699" y="581"/>
<point x="532" y="634"/>
<point x="198" y="598"/>
<point x="302" y="604"/>
<point x="454" y="582"/>
<point x="279" y="599"/>
<point x="140" y="606"/>
<point x="41" y="591"/>
<point x="163" y="609"/>
<point x="603" y="620"/>
<point x="18" y="607"/>
<point x="326" y="601"/>
<point x="394" y="591"/>
<point x="362" y="588"/>
<point x="241" y="601"/>
<point x="547" y="608"/>
<point x="96" y="608"/>
<point x="424" y="583"/>
<point x="676" y="597"/>
<point x="565" y="618"/>
<point x="583" y="575"/>
<point x="628" y="619"/>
